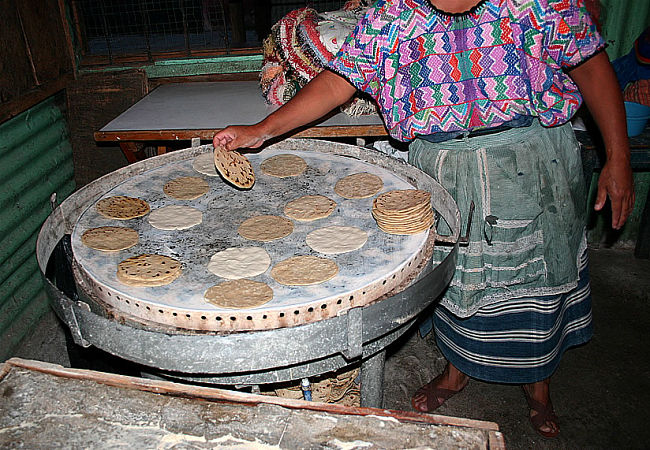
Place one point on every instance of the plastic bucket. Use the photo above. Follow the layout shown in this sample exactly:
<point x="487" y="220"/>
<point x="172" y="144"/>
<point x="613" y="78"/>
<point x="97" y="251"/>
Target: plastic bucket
<point x="637" y="117"/>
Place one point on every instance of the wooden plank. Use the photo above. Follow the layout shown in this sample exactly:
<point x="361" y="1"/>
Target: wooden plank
<point x="131" y="152"/>
<point x="173" y="135"/>
<point x="68" y="37"/>
<point x="242" y="76"/>
<point x="44" y="31"/>
<point x="496" y="441"/>
<point x="16" y="71"/>
<point x="209" y="393"/>
<point x="103" y="60"/>
<point x="28" y="99"/>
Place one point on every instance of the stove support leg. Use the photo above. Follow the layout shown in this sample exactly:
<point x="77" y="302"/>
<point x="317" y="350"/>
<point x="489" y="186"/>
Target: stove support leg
<point x="372" y="380"/>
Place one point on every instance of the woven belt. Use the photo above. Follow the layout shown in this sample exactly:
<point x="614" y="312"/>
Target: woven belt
<point x="484" y="132"/>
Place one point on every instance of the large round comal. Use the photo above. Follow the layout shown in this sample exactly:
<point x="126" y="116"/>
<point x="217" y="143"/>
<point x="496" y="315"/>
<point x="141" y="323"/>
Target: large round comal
<point x="303" y="330"/>
<point x="363" y="275"/>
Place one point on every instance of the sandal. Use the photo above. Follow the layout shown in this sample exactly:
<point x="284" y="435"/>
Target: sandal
<point x="434" y="396"/>
<point x="543" y="414"/>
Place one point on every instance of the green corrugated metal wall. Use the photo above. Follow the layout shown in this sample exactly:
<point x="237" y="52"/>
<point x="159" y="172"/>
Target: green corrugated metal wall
<point x="35" y="161"/>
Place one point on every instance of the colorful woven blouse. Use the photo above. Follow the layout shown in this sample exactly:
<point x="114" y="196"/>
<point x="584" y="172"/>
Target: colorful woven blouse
<point x="433" y="72"/>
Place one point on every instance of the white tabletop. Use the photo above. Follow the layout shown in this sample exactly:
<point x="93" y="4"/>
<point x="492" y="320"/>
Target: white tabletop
<point x="208" y="105"/>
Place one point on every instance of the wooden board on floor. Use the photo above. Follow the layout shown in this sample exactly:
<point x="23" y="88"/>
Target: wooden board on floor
<point x="46" y="405"/>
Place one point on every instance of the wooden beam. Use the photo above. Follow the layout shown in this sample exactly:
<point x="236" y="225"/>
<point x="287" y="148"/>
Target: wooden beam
<point x="207" y="134"/>
<point x="27" y="47"/>
<point x="68" y="39"/>
<point x="27" y="100"/>
<point x="215" y="394"/>
<point x="103" y="60"/>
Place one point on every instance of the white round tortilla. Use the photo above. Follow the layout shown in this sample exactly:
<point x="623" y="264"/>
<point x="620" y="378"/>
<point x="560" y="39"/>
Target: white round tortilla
<point x="239" y="262"/>
<point x="175" y="217"/>
<point x="336" y="239"/>
<point x="205" y="164"/>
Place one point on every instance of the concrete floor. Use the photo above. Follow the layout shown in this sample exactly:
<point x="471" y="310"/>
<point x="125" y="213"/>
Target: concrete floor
<point x="599" y="391"/>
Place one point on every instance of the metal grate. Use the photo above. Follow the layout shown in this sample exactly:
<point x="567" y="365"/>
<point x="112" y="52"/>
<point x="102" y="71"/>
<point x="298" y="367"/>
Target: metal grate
<point x="115" y="28"/>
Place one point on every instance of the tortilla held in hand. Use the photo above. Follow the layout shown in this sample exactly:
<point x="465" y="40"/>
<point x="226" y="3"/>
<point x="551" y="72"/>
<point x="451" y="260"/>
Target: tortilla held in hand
<point x="234" y="168"/>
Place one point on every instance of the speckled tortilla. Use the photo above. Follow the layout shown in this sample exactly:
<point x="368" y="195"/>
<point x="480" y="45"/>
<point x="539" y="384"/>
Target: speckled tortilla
<point x="234" y="168"/>
<point x="239" y="262"/>
<point x="186" y="188"/>
<point x="175" y="217"/>
<point x="283" y="165"/>
<point x="110" y="239"/>
<point x="265" y="228"/>
<point x="239" y="294"/>
<point x="309" y="207"/>
<point x="304" y="270"/>
<point x="122" y="208"/>
<point x="358" y="185"/>
<point x="148" y="270"/>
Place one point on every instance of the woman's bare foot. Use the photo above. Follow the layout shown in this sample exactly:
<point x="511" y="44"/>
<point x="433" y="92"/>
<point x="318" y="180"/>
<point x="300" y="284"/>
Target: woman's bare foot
<point x="433" y="394"/>
<point x="542" y="416"/>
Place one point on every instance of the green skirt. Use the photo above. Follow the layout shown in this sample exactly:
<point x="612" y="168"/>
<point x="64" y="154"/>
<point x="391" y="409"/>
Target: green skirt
<point x="528" y="227"/>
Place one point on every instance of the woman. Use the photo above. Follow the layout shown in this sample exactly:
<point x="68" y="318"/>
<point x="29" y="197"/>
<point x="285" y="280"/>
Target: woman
<point x="484" y="91"/>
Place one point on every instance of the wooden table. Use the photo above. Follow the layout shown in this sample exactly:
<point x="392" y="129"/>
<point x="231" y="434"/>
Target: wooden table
<point x="185" y="111"/>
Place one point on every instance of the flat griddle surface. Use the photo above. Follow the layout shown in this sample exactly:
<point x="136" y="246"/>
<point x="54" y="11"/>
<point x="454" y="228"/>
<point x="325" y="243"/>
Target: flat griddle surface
<point x="364" y="274"/>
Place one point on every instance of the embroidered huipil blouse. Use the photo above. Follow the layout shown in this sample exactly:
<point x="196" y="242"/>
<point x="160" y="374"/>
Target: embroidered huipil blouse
<point x="504" y="60"/>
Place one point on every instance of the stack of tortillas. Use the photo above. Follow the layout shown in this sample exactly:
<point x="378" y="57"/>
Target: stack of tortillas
<point x="403" y="211"/>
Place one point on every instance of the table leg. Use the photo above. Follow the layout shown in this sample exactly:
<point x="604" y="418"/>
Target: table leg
<point x="162" y="149"/>
<point x="372" y="380"/>
<point x="130" y="149"/>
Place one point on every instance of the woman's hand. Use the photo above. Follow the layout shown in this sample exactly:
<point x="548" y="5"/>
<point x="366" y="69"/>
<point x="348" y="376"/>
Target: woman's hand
<point x="599" y="87"/>
<point x="616" y="182"/>
<point x="320" y="96"/>
<point x="238" y="136"/>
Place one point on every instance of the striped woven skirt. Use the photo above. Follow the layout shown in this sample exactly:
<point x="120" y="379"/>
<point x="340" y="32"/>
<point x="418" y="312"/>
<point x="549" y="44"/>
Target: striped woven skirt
<point x="519" y="340"/>
<point x="520" y="293"/>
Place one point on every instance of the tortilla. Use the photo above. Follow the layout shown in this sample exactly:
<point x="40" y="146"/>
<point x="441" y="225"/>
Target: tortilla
<point x="265" y="228"/>
<point x="239" y="294"/>
<point x="358" y="185"/>
<point x="309" y="207"/>
<point x="122" y="208"/>
<point x="336" y="239"/>
<point x="234" y="168"/>
<point x="148" y="270"/>
<point x="175" y="217"/>
<point x="406" y="211"/>
<point x="304" y="270"/>
<point x="283" y="166"/>
<point x="110" y="239"/>
<point x="204" y="164"/>
<point x="239" y="262"/>
<point x="186" y="188"/>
